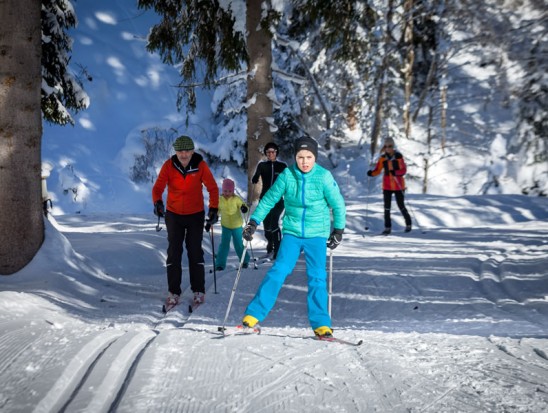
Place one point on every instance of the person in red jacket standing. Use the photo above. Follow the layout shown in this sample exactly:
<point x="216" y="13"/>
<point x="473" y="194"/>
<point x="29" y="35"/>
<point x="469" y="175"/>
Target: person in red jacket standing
<point x="185" y="174"/>
<point x="393" y="165"/>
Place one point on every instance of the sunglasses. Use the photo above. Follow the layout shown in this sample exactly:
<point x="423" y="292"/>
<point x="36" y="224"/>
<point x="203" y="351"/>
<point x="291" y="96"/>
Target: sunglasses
<point x="388" y="146"/>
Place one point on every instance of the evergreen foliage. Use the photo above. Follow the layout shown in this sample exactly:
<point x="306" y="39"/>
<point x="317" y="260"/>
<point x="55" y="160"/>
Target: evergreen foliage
<point x="198" y="36"/>
<point x="62" y="91"/>
<point x="157" y="148"/>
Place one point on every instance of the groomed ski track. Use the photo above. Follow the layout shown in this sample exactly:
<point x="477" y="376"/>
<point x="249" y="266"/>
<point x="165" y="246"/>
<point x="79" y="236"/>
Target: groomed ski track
<point x="129" y="357"/>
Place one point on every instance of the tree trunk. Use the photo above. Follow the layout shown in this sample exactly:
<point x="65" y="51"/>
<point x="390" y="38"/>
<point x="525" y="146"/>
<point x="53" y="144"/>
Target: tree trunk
<point x="443" y="99"/>
<point x="378" y="117"/>
<point x="21" y="220"/>
<point x="429" y="149"/>
<point x="408" y="66"/>
<point x="259" y="84"/>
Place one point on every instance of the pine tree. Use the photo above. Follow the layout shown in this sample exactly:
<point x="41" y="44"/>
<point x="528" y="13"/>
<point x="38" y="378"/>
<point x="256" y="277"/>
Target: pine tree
<point x="202" y="38"/>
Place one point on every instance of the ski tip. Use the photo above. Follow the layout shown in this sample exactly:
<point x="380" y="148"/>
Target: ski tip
<point x="359" y="343"/>
<point x="222" y="329"/>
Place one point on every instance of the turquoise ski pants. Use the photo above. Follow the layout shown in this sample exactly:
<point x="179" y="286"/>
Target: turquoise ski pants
<point x="315" y="257"/>
<point x="236" y="236"/>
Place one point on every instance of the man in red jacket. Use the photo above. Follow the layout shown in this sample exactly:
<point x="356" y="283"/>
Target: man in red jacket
<point x="184" y="174"/>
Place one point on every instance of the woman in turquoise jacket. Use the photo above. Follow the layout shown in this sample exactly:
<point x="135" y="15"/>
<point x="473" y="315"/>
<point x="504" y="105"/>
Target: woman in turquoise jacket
<point x="310" y="193"/>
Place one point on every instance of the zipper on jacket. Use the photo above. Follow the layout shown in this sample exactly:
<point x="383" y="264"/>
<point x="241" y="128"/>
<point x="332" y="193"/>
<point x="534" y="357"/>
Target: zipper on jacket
<point x="271" y="174"/>
<point x="303" y="198"/>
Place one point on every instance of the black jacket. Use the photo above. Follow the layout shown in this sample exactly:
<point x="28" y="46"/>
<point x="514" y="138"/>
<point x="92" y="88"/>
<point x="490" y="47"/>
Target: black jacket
<point x="268" y="171"/>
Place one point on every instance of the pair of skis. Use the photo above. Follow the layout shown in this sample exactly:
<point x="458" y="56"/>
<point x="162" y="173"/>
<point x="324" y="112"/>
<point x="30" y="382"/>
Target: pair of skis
<point x="241" y="330"/>
<point x="245" y="331"/>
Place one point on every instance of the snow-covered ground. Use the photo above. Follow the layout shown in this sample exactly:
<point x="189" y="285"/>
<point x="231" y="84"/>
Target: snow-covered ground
<point x="454" y="318"/>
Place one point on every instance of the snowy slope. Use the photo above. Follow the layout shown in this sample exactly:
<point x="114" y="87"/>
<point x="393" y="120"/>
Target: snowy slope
<point x="454" y="317"/>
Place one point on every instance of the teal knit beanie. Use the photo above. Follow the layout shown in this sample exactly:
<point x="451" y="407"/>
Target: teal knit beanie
<point x="183" y="143"/>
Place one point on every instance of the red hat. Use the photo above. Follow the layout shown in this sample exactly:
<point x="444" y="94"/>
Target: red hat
<point x="228" y="185"/>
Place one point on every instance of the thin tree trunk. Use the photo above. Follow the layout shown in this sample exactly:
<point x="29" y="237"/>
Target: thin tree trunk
<point x="443" y="98"/>
<point x="429" y="80"/>
<point x="429" y="149"/>
<point x="379" y="106"/>
<point x="21" y="219"/>
<point x="259" y="84"/>
<point x="408" y="67"/>
<point x="381" y="79"/>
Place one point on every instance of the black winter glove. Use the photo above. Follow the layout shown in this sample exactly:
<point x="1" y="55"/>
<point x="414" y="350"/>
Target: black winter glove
<point x="392" y="172"/>
<point x="249" y="230"/>
<point x="212" y="218"/>
<point x="369" y="173"/>
<point x="244" y="208"/>
<point x="159" y="209"/>
<point x="335" y="238"/>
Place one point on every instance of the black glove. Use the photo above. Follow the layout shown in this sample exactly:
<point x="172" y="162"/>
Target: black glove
<point x="335" y="238"/>
<point x="159" y="209"/>
<point x="212" y="216"/>
<point x="244" y="208"/>
<point x="392" y="172"/>
<point x="369" y="173"/>
<point x="249" y="230"/>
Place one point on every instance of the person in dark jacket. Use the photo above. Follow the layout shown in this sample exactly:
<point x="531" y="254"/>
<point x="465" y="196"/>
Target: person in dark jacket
<point x="268" y="171"/>
<point x="391" y="162"/>
<point x="185" y="174"/>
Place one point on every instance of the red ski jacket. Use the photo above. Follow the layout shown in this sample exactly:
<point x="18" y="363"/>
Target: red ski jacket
<point x="185" y="185"/>
<point x="394" y="169"/>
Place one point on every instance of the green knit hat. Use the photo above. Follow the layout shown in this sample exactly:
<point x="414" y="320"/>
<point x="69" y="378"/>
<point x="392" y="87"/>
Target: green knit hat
<point x="183" y="143"/>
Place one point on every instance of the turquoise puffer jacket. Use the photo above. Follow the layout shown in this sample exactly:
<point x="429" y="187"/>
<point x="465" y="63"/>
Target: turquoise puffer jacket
<point x="308" y="198"/>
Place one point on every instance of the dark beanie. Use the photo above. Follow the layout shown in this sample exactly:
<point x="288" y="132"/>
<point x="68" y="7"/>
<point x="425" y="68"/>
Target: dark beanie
<point x="183" y="143"/>
<point x="271" y="145"/>
<point x="306" y="143"/>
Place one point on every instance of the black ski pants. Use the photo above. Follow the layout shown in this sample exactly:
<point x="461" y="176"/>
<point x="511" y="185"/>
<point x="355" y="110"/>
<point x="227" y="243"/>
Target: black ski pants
<point x="188" y="229"/>
<point x="272" y="230"/>
<point x="388" y="205"/>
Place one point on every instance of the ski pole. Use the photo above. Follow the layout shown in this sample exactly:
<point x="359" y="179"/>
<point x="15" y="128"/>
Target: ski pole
<point x="368" y="196"/>
<point x="158" y="227"/>
<point x="330" y="288"/>
<point x="410" y="207"/>
<point x="253" y="257"/>
<point x="367" y="202"/>
<point x="213" y="258"/>
<point x="222" y="328"/>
